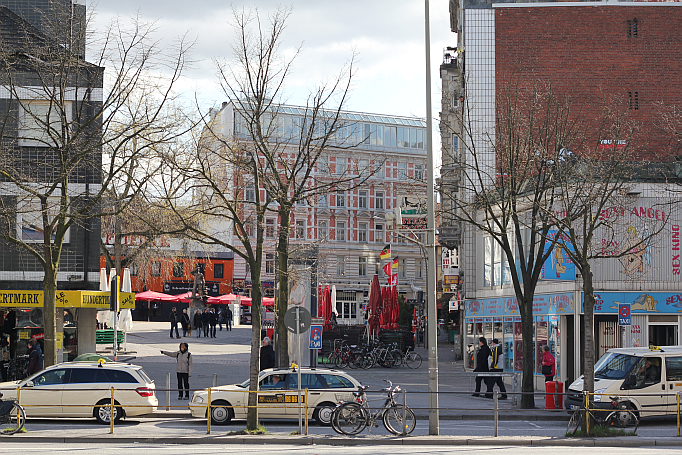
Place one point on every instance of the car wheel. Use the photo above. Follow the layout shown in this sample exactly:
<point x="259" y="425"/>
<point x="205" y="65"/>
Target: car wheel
<point x="323" y="413"/>
<point x="221" y="412"/>
<point x="102" y="412"/>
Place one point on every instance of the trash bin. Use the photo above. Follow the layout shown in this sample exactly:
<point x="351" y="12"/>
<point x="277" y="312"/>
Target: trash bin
<point x="270" y="332"/>
<point x="550" y="389"/>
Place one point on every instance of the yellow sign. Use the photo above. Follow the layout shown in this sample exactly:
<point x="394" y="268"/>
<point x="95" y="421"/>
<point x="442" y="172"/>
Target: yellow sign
<point x="21" y="299"/>
<point x="60" y="338"/>
<point x="66" y="299"/>
<point x="126" y="300"/>
<point x="24" y="335"/>
<point x="450" y="279"/>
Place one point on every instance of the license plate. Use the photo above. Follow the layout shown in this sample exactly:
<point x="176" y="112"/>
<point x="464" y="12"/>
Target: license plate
<point x="575" y="407"/>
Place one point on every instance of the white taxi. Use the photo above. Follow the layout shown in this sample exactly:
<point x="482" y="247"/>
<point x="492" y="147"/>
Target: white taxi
<point x="278" y="396"/>
<point x="83" y="389"/>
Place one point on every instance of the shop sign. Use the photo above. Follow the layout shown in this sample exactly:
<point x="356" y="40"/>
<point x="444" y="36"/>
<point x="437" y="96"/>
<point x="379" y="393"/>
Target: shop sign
<point x="21" y="299"/>
<point x="558" y="265"/>
<point x="640" y="302"/>
<point x="542" y="304"/>
<point x="450" y="279"/>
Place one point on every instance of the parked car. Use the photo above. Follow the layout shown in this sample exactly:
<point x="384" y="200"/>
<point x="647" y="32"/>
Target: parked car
<point x="83" y="389"/>
<point x="279" y="396"/>
<point x="649" y="378"/>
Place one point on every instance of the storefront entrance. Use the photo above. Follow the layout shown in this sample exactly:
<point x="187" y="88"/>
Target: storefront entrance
<point x="662" y="334"/>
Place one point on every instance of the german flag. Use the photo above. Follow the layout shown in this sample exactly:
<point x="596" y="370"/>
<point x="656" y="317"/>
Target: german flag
<point x="386" y="252"/>
<point x="394" y="264"/>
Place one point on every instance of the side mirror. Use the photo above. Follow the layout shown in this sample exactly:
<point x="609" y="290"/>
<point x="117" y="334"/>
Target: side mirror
<point x="28" y="384"/>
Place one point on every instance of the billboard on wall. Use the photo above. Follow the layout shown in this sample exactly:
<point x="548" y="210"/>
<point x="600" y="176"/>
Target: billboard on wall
<point x="508" y="306"/>
<point x="558" y="265"/>
<point x="640" y="302"/>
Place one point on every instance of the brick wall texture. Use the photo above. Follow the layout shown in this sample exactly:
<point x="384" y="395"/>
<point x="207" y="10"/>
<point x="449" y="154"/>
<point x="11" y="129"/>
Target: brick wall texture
<point x="593" y="52"/>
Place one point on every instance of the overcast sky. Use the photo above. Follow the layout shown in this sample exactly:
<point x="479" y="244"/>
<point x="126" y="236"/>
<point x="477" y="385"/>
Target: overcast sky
<point x="388" y="36"/>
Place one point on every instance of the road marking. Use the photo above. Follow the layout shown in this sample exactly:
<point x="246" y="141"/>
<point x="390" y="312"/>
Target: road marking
<point x="533" y="424"/>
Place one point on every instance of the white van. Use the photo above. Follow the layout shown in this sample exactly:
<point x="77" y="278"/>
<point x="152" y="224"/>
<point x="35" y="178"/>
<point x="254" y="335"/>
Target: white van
<point x="649" y="377"/>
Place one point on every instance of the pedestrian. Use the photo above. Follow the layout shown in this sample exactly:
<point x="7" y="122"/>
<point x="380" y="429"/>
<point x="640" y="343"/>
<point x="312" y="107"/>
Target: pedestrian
<point x="183" y="369"/>
<point x="4" y="366"/>
<point x="197" y="323"/>
<point x="184" y="322"/>
<point x="205" y="318"/>
<point x="548" y="364"/>
<point x="35" y="356"/>
<point x="481" y="364"/>
<point x="174" y="323"/>
<point x="496" y="364"/>
<point x="221" y="319"/>
<point x="228" y="319"/>
<point x="267" y="355"/>
<point x="213" y="321"/>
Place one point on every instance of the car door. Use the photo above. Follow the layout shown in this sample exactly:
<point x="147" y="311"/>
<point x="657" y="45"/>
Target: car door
<point x="310" y="381"/>
<point x="673" y="376"/>
<point x="44" y="397"/>
<point x="85" y="387"/>
<point x="272" y="400"/>
<point x="650" y="388"/>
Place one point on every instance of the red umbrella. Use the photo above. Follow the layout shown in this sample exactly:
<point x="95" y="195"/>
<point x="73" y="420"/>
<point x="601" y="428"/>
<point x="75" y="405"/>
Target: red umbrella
<point x="374" y="303"/>
<point x="328" y="310"/>
<point x="396" y="308"/>
<point x="320" y="302"/>
<point x="185" y="298"/>
<point x="151" y="296"/>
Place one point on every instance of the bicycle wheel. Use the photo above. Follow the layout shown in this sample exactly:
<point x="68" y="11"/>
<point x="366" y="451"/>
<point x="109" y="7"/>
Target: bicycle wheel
<point x="396" y="361"/>
<point x="623" y="419"/>
<point x="393" y="420"/>
<point x="413" y="360"/>
<point x="575" y="422"/>
<point x="350" y="418"/>
<point x="333" y="422"/>
<point x="12" y="422"/>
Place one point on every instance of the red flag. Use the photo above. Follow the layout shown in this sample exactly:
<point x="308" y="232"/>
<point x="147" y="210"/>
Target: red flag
<point x="394" y="279"/>
<point x="387" y="269"/>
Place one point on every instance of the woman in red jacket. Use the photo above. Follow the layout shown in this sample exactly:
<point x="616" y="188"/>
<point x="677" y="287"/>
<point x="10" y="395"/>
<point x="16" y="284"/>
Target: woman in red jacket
<point x="548" y="364"/>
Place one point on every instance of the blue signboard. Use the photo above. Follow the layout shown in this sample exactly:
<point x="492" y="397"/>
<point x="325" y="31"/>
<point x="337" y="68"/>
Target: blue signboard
<point x="508" y="306"/>
<point x="315" y="337"/>
<point x="558" y="265"/>
<point x="624" y="317"/>
<point x="640" y="302"/>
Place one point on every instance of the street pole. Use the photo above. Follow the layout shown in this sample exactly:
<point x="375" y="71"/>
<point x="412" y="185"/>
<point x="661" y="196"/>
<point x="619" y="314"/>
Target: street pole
<point x="432" y="314"/>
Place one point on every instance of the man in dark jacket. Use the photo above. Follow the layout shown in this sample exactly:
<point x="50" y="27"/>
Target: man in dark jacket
<point x="174" y="323"/>
<point x="198" y="323"/>
<point x="228" y="319"/>
<point x="205" y="318"/>
<point x="213" y="321"/>
<point x="35" y="357"/>
<point x="496" y="365"/>
<point x="184" y="322"/>
<point x="481" y="364"/>
<point x="267" y="355"/>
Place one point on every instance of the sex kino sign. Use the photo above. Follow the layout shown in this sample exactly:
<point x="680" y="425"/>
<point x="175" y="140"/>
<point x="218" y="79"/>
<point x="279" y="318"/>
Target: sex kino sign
<point x="624" y="317"/>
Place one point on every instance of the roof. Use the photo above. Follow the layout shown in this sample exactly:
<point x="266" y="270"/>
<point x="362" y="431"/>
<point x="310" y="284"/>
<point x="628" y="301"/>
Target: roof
<point x="677" y="350"/>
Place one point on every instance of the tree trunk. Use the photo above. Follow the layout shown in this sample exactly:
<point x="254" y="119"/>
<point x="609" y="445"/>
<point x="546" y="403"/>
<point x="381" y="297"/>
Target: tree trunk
<point x="588" y="349"/>
<point x="49" y="317"/>
<point x="527" y="386"/>
<point x="283" y="280"/>
<point x="256" y="295"/>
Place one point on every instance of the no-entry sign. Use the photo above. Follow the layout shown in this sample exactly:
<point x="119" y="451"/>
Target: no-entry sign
<point x="624" y="314"/>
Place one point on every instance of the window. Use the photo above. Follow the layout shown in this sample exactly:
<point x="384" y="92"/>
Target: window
<point x="379" y="233"/>
<point x="269" y="264"/>
<point x="336" y="382"/>
<point x="87" y="376"/>
<point x="300" y="229"/>
<point x="487" y="261"/>
<point x="419" y="268"/>
<point x="455" y="146"/>
<point x="30" y="220"/>
<point x="632" y="28"/>
<point x="346" y="305"/>
<point x="362" y="266"/>
<point x="340" y="266"/>
<point x="633" y="100"/>
<point x="52" y="377"/>
<point x="121" y="377"/>
<point x="322" y="200"/>
<point x="340" y="231"/>
<point x="323" y="166"/>
<point x="402" y="171"/>
<point x="363" y="168"/>
<point x="155" y="269"/>
<point x="218" y="270"/>
<point x="390" y="136"/>
<point x="250" y="229"/>
<point x="340" y="165"/>
<point x="362" y="232"/>
<point x="250" y="193"/>
<point x="340" y="199"/>
<point x="179" y="269"/>
<point x="37" y="118"/>
<point x="322" y="231"/>
<point x="362" y="200"/>
<point x="269" y="228"/>
<point x="419" y="172"/>
<point x="134" y="270"/>
<point x="379" y="200"/>
<point x="673" y="368"/>
<point x="401" y="268"/>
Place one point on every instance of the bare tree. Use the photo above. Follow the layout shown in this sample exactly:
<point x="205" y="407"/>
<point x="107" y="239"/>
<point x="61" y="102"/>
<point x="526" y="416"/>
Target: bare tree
<point x="66" y="134"/>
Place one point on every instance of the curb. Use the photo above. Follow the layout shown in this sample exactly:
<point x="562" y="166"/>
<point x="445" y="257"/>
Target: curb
<point x="633" y="441"/>
<point x="554" y="417"/>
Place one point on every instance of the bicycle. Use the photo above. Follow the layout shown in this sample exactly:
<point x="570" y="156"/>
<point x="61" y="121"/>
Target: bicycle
<point x="620" y="415"/>
<point x="410" y="359"/>
<point x="12" y="417"/>
<point x="352" y="417"/>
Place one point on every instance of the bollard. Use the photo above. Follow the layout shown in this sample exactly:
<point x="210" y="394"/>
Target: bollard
<point x="497" y="416"/>
<point x="587" y="412"/>
<point x="168" y="391"/>
<point x="404" y="412"/>
<point x="215" y="380"/>
<point x="19" y="403"/>
<point x="306" y="412"/>
<point x="678" y="414"/>
<point x="208" y="413"/>
<point x="111" y="413"/>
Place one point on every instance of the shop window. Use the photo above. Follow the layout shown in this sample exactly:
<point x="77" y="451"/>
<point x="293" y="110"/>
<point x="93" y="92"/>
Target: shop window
<point x="218" y="270"/>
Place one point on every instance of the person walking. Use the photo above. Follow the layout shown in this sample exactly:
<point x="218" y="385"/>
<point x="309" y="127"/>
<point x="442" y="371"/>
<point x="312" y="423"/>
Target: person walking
<point x="221" y="318"/>
<point x="197" y="323"/>
<point x="548" y="364"/>
<point x="183" y="370"/>
<point x="496" y="364"/>
<point x="481" y="365"/>
<point x="213" y="321"/>
<point x="267" y="355"/>
<point x="205" y="318"/>
<point x="35" y="356"/>
<point x="228" y="318"/>
<point x="185" y="323"/>
<point x="174" y="323"/>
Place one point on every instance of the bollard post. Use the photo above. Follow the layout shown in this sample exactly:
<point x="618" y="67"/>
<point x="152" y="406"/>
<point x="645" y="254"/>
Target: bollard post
<point x="19" y="403"/>
<point x="404" y="412"/>
<point x="497" y="416"/>
<point x="678" y="414"/>
<point x="587" y="413"/>
<point x="168" y="391"/>
<point x="215" y="380"/>
<point x="208" y="413"/>
<point x="306" y="412"/>
<point x="111" y="412"/>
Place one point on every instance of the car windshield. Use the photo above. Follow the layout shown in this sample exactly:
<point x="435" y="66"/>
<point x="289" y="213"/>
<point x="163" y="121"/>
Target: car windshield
<point x="614" y="366"/>
<point x="246" y="383"/>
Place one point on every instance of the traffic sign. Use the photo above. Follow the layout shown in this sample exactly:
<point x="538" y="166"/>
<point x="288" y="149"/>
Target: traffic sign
<point x="315" y="337"/>
<point x="303" y="319"/>
<point x="624" y="317"/>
